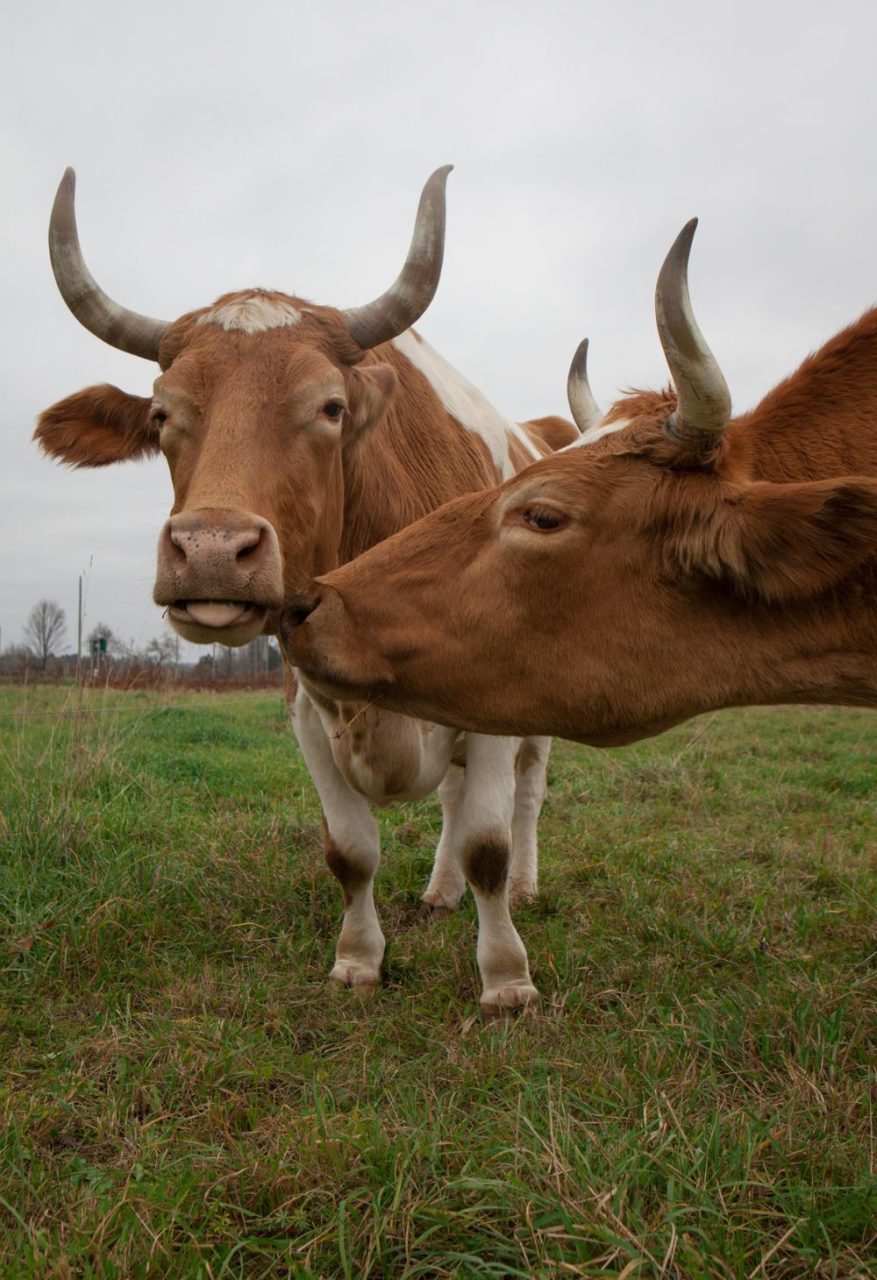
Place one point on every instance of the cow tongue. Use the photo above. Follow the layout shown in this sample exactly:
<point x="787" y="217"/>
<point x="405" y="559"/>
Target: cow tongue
<point x="216" y="613"/>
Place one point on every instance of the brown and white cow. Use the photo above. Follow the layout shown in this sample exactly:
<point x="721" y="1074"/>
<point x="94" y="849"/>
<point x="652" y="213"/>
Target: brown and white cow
<point x="297" y="436"/>
<point x="672" y="561"/>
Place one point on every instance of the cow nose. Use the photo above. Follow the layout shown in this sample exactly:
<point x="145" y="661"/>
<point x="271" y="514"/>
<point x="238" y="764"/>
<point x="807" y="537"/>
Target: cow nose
<point x="218" y="555"/>
<point x="300" y="607"/>
<point x="192" y="543"/>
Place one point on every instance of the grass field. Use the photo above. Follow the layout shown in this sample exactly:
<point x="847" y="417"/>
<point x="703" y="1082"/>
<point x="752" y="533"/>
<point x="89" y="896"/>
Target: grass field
<point x="182" y="1095"/>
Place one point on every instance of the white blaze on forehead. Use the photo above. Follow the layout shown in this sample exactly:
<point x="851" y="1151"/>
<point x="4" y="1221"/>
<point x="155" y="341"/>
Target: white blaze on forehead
<point x="596" y="433"/>
<point x="465" y="402"/>
<point x="253" y="313"/>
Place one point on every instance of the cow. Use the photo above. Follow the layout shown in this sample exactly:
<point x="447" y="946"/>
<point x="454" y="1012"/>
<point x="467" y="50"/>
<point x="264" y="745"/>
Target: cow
<point x="297" y="436"/>
<point x="672" y="561"/>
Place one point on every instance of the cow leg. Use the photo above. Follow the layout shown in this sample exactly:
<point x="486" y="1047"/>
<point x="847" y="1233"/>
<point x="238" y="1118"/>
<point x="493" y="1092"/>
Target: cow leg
<point x="352" y="853"/>
<point x="531" y="765"/>
<point x="482" y="833"/>
<point x="447" y="883"/>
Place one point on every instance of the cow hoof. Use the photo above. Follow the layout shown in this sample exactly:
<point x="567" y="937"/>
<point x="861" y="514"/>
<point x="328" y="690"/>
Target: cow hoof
<point x="428" y="912"/>
<point x="358" y="977"/>
<point x="515" y="998"/>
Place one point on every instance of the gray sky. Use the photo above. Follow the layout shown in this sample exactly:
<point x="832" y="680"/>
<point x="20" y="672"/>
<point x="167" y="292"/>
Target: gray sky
<point x="223" y="145"/>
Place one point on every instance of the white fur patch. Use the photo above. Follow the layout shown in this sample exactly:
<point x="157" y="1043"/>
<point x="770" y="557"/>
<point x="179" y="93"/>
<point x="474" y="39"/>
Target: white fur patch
<point x="466" y="403"/>
<point x="596" y="433"/>
<point x="253" y="313"/>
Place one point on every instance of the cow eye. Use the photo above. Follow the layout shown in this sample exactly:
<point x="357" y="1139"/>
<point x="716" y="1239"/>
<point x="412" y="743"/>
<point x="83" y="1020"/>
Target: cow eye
<point x="159" y="417"/>
<point x="541" y="519"/>
<point x="333" y="409"/>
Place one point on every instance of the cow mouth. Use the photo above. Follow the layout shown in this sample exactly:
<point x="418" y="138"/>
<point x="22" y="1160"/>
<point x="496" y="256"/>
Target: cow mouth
<point x="231" y="622"/>
<point x="213" y="613"/>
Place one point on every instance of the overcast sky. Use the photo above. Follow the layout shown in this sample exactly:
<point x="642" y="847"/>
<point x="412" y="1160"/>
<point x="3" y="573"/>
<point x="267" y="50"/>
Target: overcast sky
<point x="284" y="144"/>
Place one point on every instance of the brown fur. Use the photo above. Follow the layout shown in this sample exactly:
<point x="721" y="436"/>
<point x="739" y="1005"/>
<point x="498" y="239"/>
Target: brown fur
<point x="346" y="871"/>
<point x="819" y="422"/>
<point x="97" y="426"/>
<point x="550" y="433"/>
<point x="784" y="542"/>
<point x="670" y="584"/>
<point x="236" y="395"/>
<point x="486" y="862"/>
<point x="528" y="755"/>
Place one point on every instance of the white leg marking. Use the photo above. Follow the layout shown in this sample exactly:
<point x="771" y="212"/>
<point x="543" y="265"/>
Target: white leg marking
<point x="352" y="851"/>
<point x="447" y="883"/>
<point x="482" y="832"/>
<point x="530" y="787"/>
<point x="380" y="745"/>
<point x="480" y="807"/>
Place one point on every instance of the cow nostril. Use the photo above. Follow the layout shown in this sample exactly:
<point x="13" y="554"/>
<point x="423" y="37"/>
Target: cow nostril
<point x="176" y="545"/>
<point x="300" y="608"/>
<point x="251" y="546"/>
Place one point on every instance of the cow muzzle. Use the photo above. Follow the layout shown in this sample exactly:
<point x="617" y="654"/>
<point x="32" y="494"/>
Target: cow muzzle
<point x="219" y="575"/>
<point x="320" y="638"/>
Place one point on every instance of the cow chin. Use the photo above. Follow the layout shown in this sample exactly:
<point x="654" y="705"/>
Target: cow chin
<point x="337" y="679"/>
<point x="339" y="685"/>
<point x="230" y="623"/>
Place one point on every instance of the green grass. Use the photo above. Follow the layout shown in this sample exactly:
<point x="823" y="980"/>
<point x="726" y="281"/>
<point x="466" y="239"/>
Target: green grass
<point x="182" y="1096"/>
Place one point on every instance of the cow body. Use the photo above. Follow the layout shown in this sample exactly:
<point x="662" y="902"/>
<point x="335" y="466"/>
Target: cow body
<point x="295" y="440"/>
<point x="668" y="563"/>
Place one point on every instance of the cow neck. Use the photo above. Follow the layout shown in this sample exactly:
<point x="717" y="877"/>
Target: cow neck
<point x="761" y="655"/>
<point x="822" y="420"/>
<point x="414" y="459"/>
<point x="808" y="653"/>
<point x="817" y="650"/>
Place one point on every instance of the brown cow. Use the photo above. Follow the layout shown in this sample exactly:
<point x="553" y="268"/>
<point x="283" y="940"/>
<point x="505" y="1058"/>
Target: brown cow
<point x="675" y="563"/>
<point x="297" y="436"/>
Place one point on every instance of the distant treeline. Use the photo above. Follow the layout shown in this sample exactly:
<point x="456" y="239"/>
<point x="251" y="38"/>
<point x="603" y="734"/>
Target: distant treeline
<point x="253" y="665"/>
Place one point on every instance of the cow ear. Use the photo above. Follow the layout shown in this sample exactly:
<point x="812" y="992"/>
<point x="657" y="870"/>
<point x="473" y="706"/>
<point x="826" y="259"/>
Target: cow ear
<point x="370" y="390"/>
<point x="97" y="426"/>
<point x="791" y="541"/>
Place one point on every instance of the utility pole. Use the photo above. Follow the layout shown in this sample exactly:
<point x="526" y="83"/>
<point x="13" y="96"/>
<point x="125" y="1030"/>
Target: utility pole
<point x="79" y="629"/>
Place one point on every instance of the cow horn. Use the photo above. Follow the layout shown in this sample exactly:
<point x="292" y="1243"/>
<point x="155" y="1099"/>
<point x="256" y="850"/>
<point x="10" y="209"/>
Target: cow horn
<point x="583" y="407"/>
<point x="126" y="330"/>
<point x="414" y="288"/>
<point x="703" y="406"/>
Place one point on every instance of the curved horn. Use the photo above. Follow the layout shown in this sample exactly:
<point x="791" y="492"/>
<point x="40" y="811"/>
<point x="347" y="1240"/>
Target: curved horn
<point x="703" y="400"/>
<point x="583" y="407"/>
<point x="414" y="288"/>
<point x="126" y="330"/>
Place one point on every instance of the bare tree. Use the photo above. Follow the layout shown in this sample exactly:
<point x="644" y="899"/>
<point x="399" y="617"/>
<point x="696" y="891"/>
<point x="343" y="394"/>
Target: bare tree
<point x="45" y="630"/>
<point x="163" y="651"/>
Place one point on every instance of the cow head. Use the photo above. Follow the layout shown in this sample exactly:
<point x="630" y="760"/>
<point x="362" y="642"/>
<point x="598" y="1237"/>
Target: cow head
<point x="610" y="590"/>
<point x="258" y="398"/>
